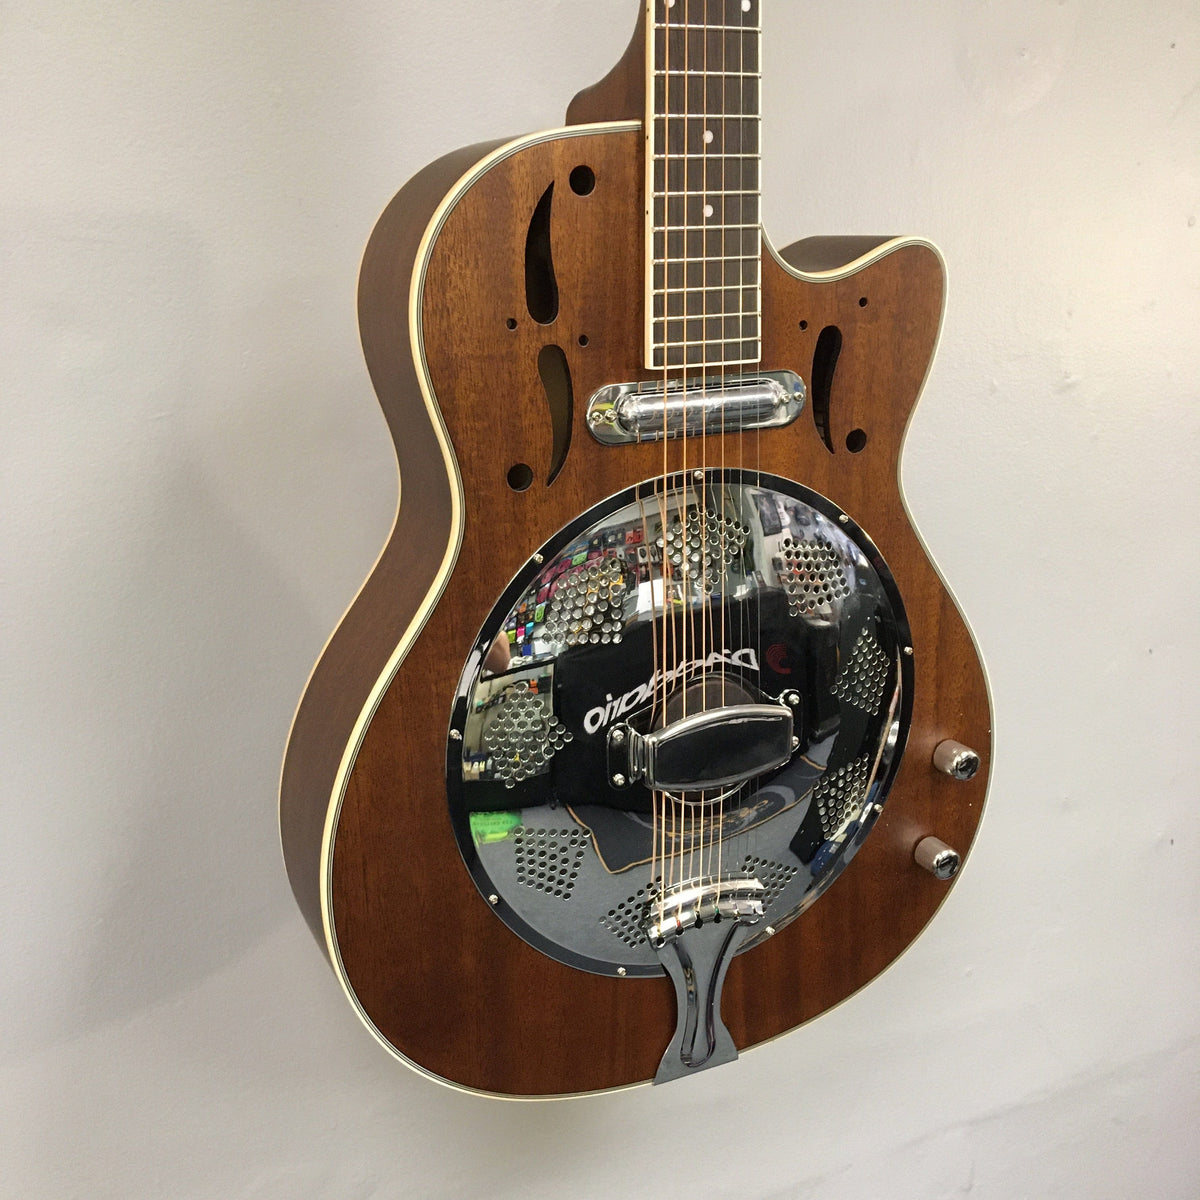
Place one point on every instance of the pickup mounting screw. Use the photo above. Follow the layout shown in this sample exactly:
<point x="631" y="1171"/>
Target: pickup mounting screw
<point x="617" y="736"/>
<point x="619" y="780"/>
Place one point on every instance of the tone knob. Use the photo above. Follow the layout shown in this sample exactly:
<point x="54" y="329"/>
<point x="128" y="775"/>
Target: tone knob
<point x="956" y="760"/>
<point x="934" y="856"/>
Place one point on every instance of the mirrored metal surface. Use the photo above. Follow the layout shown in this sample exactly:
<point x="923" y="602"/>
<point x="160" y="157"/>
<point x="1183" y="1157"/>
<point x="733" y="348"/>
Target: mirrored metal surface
<point x="649" y="411"/>
<point x="722" y="595"/>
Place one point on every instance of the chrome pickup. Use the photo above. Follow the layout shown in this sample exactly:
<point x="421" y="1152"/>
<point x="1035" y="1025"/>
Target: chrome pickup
<point x="646" y="412"/>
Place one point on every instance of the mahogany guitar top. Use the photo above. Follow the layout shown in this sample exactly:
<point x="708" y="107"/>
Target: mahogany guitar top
<point x="454" y="356"/>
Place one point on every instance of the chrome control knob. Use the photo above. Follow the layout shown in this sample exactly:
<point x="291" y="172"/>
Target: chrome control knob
<point x="956" y="760"/>
<point x="934" y="856"/>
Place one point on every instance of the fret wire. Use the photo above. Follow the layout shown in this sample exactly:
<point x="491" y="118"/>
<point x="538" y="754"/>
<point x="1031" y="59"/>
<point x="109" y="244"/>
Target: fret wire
<point x="752" y="357"/>
<point x="709" y="364"/>
<point x="709" y="28"/>
<point x="729" y="341"/>
<point x="709" y="74"/>
<point x="697" y="228"/>
<point x="750" y="252"/>
<point x="704" y="154"/>
<point x="723" y="192"/>
<point x="750" y="314"/>
<point x="700" y="116"/>
<point x="756" y="342"/>
<point x="748" y="328"/>
<point x="709" y="262"/>
<point x="745" y="331"/>
<point x="712" y="287"/>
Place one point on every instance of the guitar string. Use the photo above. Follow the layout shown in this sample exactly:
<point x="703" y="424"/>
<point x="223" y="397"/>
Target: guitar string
<point x="720" y="525"/>
<point x="666" y="373"/>
<point x="654" y="797"/>
<point x="743" y="26"/>
<point x="702" y="489"/>
<point x="686" y="582"/>
<point x="714" y="545"/>
<point x="746" y="7"/>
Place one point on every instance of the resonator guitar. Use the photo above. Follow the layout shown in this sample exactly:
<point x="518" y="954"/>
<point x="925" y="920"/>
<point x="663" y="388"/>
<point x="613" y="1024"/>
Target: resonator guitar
<point x="653" y="733"/>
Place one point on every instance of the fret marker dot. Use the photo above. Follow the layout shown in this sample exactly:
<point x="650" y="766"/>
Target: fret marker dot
<point x="708" y="210"/>
<point x="708" y="136"/>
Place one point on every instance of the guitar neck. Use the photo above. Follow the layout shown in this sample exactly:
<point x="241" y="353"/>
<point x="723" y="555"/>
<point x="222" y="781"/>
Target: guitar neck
<point x="703" y="238"/>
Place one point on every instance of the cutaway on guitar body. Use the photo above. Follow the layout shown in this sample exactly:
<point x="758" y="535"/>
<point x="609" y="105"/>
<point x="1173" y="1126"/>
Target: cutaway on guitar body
<point x="620" y="762"/>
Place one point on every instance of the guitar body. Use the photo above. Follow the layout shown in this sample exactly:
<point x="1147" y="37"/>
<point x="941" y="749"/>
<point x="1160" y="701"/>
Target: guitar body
<point x="453" y="351"/>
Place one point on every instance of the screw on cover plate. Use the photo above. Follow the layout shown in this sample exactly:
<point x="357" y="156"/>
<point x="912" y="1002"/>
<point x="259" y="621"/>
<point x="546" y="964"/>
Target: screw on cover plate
<point x="493" y="899"/>
<point x="770" y="931"/>
<point x="621" y="971"/>
<point x="617" y="736"/>
<point x="791" y="699"/>
<point x="455" y="736"/>
<point x="845" y="520"/>
<point x="538" y="560"/>
<point x="619" y="780"/>
<point x="908" y="650"/>
<point x="795" y="743"/>
<point x="698" y="475"/>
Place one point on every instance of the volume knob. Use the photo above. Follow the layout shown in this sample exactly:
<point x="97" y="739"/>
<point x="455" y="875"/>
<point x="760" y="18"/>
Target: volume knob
<point x="934" y="856"/>
<point x="956" y="760"/>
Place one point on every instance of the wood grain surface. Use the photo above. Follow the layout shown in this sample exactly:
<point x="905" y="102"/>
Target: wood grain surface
<point x="442" y="979"/>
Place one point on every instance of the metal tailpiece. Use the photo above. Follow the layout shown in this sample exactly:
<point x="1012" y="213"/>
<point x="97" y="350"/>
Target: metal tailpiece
<point x="696" y="929"/>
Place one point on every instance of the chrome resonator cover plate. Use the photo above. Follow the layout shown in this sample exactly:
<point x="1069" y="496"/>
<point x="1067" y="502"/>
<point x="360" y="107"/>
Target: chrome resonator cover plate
<point x="772" y="594"/>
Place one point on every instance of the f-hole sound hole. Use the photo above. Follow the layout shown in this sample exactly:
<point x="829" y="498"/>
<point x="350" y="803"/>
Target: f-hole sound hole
<point x="556" y="379"/>
<point x="583" y="181"/>
<point x="856" y="440"/>
<point x="541" y="287"/>
<point x="520" y="476"/>
<point x="825" y="358"/>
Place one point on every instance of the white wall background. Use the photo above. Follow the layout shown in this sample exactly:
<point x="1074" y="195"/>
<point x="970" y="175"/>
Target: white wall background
<point x="195" y="478"/>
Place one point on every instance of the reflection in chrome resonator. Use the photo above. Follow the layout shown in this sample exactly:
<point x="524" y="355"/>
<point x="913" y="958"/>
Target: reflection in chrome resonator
<point x="728" y="634"/>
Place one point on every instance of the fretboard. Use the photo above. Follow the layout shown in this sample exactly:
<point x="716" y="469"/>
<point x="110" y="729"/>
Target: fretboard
<point x="703" y="241"/>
